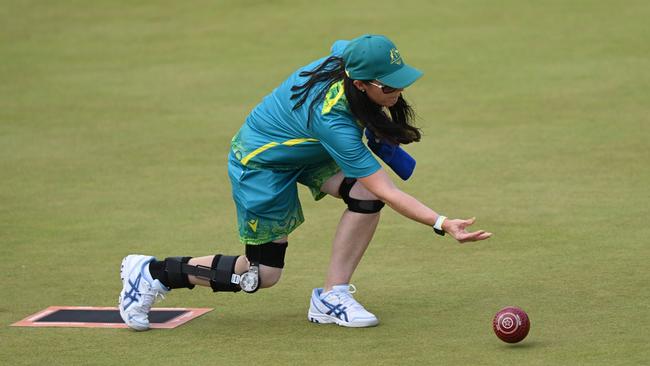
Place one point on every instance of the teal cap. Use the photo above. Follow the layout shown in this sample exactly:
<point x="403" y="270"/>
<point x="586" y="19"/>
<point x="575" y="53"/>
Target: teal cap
<point x="375" y="57"/>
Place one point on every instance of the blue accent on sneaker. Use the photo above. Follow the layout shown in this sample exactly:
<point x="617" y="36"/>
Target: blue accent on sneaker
<point x="338" y="310"/>
<point x="133" y="294"/>
<point x="339" y="306"/>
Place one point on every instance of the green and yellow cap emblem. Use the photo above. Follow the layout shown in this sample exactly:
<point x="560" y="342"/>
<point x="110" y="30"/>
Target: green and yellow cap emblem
<point x="375" y="57"/>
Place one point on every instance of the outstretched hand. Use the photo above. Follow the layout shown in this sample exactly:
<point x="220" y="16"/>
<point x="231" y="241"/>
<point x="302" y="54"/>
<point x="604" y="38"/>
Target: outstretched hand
<point x="456" y="228"/>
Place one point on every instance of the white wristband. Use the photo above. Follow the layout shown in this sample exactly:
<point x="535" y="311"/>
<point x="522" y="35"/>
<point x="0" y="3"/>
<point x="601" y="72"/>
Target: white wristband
<point x="439" y="221"/>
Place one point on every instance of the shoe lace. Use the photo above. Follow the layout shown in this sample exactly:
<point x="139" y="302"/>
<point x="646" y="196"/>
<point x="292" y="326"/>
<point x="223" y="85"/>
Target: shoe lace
<point x="348" y="300"/>
<point x="149" y="297"/>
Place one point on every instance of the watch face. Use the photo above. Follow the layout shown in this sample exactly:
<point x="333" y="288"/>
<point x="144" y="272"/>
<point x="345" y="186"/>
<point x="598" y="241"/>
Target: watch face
<point x="249" y="282"/>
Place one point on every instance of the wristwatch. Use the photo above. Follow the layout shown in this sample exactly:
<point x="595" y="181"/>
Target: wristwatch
<point x="437" y="227"/>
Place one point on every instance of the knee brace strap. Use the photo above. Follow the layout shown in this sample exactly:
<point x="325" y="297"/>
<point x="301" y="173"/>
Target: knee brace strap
<point x="355" y="205"/>
<point x="269" y="254"/>
<point x="223" y="267"/>
<point x="221" y="273"/>
<point x="175" y="275"/>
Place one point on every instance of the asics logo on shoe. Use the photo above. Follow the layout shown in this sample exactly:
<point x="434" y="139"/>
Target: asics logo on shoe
<point x="133" y="293"/>
<point x="337" y="310"/>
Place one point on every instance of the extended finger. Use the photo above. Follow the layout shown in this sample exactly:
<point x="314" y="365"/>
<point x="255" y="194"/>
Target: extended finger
<point x="474" y="236"/>
<point x="467" y="222"/>
<point x="465" y="236"/>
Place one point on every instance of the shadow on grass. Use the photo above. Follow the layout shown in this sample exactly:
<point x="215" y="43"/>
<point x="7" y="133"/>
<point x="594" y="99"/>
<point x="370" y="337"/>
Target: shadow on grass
<point x="522" y="345"/>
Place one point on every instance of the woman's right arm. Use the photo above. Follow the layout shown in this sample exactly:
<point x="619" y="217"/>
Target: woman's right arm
<point x="380" y="184"/>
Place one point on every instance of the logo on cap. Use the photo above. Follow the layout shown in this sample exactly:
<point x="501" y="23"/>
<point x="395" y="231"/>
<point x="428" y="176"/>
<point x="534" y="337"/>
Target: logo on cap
<point x="395" y="57"/>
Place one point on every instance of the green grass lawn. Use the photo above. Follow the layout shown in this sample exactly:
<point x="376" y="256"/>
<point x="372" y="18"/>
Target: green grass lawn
<point x="115" y="120"/>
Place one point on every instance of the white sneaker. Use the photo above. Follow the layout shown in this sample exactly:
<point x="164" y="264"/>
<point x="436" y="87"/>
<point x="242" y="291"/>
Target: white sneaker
<point x="338" y="306"/>
<point x="139" y="291"/>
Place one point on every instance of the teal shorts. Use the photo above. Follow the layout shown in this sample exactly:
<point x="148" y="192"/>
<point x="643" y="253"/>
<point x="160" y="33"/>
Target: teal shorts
<point x="267" y="201"/>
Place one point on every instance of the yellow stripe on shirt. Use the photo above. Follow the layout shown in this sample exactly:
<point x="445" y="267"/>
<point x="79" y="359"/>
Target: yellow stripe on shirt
<point x="271" y="144"/>
<point x="298" y="141"/>
<point x="258" y="151"/>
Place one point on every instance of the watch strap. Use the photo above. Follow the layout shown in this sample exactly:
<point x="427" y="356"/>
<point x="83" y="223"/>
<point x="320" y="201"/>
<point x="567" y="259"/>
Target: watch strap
<point x="437" y="227"/>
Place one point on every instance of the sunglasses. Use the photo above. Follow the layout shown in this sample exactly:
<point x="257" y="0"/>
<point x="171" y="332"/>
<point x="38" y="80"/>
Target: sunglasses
<point x="384" y="88"/>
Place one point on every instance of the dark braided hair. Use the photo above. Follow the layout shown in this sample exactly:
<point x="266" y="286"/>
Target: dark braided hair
<point x="396" y="126"/>
<point x="331" y="71"/>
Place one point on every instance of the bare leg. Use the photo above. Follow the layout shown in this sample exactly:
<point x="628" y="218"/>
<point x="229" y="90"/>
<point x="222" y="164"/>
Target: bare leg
<point x="353" y="235"/>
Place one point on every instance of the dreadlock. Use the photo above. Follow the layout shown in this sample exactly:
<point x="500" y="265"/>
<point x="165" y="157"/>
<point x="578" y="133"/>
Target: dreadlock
<point x="331" y="71"/>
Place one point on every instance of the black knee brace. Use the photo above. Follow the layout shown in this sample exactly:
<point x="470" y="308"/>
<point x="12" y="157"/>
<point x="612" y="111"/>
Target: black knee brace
<point x="176" y="278"/>
<point x="269" y="254"/>
<point x="220" y="273"/>
<point x="223" y="267"/>
<point x="355" y="205"/>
